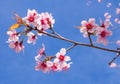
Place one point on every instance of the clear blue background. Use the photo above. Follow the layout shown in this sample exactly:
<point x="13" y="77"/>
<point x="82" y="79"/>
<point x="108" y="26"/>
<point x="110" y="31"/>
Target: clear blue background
<point x="90" y="66"/>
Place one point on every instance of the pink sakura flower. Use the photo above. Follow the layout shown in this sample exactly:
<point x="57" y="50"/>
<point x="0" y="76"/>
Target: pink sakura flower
<point x="103" y="34"/>
<point x="60" y="56"/>
<point x="40" y="53"/>
<point x="31" y="17"/>
<point x="113" y="65"/>
<point x="42" y="66"/>
<point x="13" y="35"/>
<point x="109" y="5"/>
<point x="17" y="46"/>
<point x="107" y="15"/>
<point x="31" y="38"/>
<point x="66" y="66"/>
<point x="60" y="62"/>
<point x="53" y="66"/>
<point x="99" y="1"/>
<point x="106" y="24"/>
<point x="88" y="27"/>
<point x="118" y="42"/>
<point x="117" y="11"/>
<point x="46" y="66"/>
<point x="107" y="21"/>
<point x="117" y="20"/>
<point x="45" y="21"/>
<point x="58" y="66"/>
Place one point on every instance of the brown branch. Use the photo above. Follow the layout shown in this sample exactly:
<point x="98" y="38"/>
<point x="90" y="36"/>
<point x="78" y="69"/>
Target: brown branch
<point x="75" y="42"/>
<point x="82" y="44"/>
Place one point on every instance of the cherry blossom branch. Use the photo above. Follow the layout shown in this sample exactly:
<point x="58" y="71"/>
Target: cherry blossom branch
<point x="58" y="36"/>
<point x="82" y="44"/>
<point x="44" y="21"/>
<point x="88" y="45"/>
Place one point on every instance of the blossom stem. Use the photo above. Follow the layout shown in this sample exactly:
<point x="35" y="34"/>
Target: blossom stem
<point x="53" y="32"/>
<point x="114" y="59"/>
<point x="90" y="39"/>
<point x="69" y="48"/>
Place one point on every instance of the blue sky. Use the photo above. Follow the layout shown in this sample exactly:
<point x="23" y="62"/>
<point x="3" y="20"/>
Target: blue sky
<point x="90" y="66"/>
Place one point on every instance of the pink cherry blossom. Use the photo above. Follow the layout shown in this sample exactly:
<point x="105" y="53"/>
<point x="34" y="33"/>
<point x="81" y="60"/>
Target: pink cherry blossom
<point x="107" y="15"/>
<point x="40" y="53"/>
<point x="117" y="11"/>
<point x="112" y="65"/>
<point x="117" y="20"/>
<point x="60" y="62"/>
<point x="118" y="42"/>
<point x="31" y="17"/>
<point x="42" y="66"/>
<point x="66" y="66"/>
<point x="31" y="38"/>
<point x="59" y="66"/>
<point x="106" y="24"/>
<point x="53" y="66"/>
<point x="13" y="35"/>
<point x="45" y="21"/>
<point x="17" y="46"/>
<point x="103" y="34"/>
<point x="99" y="1"/>
<point x="109" y="5"/>
<point x="60" y="56"/>
<point x="88" y="27"/>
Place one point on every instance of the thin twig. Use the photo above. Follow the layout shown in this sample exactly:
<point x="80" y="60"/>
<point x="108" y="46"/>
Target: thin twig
<point x="90" y="39"/>
<point x="114" y="59"/>
<point x="53" y="32"/>
<point x="118" y="54"/>
<point x="69" y="48"/>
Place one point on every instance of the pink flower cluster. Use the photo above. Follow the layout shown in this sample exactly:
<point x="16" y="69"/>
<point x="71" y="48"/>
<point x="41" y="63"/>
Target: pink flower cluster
<point x="101" y="31"/>
<point x="14" y="42"/>
<point x="58" y="62"/>
<point x="41" y="21"/>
